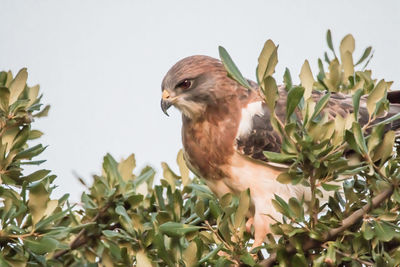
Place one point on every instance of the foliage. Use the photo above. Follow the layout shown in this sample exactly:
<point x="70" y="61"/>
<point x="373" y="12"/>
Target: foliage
<point x="333" y="154"/>
<point x="125" y="219"/>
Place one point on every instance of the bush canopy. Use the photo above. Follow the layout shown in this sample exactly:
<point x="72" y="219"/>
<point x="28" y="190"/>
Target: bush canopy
<point x="124" y="219"/>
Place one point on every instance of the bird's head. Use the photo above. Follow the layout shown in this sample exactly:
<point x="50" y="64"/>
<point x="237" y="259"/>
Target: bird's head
<point x="192" y="84"/>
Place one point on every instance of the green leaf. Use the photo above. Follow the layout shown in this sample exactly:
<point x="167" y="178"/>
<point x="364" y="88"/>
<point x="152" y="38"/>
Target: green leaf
<point x="293" y="99"/>
<point x="183" y="169"/>
<point x="125" y="167"/>
<point x="347" y="45"/>
<point x="41" y="245"/>
<point x="278" y="157"/>
<point x="347" y="64"/>
<point x="142" y="260"/>
<point x="321" y="75"/>
<point x="299" y="260"/>
<point x="169" y="175"/>
<point x="355" y="170"/>
<point x="43" y="113"/>
<point x="135" y="200"/>
<point x="111" y="234"/>
<point x="21" y="138"/>
<point x="287" y="79"/>
<point x="4" y="262"/>
<point x="270" y="91"/>
<point x="281" y="206"/>
<point x="37" y="175"/>
<point x="110" y="166"/>
<point x="243" y="209"/>
<point x="366" y="53"/>
<point x="330" y="187"/>
<point x="367" y="231"/>
<point x="375" y="137"/>
<point x="267" y="60"/>
<point x="30" y="152"/>
<point x="147" y="174"/>
<point x="247" y="259"/>
<point x="375" y="96"/>
<point x="389" y="120"/>
<point x="18" y="85"/>
<point x="35" y="134"/>
<point x="385" y="149"/>
<point x="161" y="250"/>
<point x="307" y="79"/>
<point x="38" y="198"/>
<point x="297" y="208"/>
<point x="326" y="58"/>
<point x="174" y="229"/>
<point x="333" y="77"/>
<point x="284" y="178"/>
<point x="211" y="254"/>
<point x="126" y="220"/>
<point x="320" y="105"/>
<point x="329" y="41"/>
<point x="359" y="137"/>
<point x="356" y="102"/>
<point x="4" y="98"/>
<point x="383" y="231"/>
<point x="33" y="93"/>
<point x="231" y="68"/>
<point x="52" y="218"/>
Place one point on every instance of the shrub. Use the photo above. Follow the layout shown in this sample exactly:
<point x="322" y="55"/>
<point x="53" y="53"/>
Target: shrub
<point x="124" y="219"/>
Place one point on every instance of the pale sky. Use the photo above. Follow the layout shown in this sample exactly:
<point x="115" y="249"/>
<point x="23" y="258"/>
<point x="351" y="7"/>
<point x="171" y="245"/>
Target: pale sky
<point x="100" y="63"/>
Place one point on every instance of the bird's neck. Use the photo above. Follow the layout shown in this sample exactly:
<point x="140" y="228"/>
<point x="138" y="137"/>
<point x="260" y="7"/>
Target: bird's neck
<point x="209" y="139"/>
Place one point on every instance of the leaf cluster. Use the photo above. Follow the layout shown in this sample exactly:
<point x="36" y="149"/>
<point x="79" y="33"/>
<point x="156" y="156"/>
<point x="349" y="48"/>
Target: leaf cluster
<point x="124" y="219"/>
<point x="344" y="158"/>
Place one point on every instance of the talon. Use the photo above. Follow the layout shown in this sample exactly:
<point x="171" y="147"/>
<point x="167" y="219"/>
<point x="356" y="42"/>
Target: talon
<point x="261" y="229"/>
<point x="249" y="223"/>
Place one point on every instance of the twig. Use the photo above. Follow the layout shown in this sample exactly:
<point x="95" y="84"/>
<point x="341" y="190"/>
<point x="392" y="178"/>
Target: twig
<point x="367" y="263"/>
<point x="333" y="233"/>
<point x="81" y="238"/>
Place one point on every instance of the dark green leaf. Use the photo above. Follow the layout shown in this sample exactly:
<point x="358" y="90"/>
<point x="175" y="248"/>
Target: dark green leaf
<point x="175" y="229"/>
<point x="293" y="99"/>
<point x="366" y="53"/>
<point x="329" y="40"/>
<point x="37" y="175"/>
<point x="359" y="137"/>
<point x="383" y="231"/>
<point x="41" y="245"/>
<point x="356" y="102"/>
<point x="211" y="254"/>
<point x="287" y="79"/>
<point x="330" y="187"/>
<point x="278" y="157"/>
<point x="388" y="120"/>
<point x="231" y="68"/>
<point x="320" y="105"/>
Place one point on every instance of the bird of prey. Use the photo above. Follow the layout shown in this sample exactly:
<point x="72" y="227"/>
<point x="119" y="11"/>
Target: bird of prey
<point x="226" y="128"/>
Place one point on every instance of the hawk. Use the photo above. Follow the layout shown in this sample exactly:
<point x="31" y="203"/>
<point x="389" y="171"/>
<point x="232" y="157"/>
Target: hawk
<point x="226" y="127"/>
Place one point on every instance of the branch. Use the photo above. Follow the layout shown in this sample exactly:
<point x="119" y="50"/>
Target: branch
<point x="333" y="233"/>
<point x="81" y="238"/>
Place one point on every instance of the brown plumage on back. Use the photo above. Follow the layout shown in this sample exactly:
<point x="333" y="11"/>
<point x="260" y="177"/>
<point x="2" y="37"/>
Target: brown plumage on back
<point x="226" y="125"/>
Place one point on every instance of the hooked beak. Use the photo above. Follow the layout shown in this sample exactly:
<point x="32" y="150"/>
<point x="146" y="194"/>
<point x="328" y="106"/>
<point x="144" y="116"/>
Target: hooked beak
<point x="165" y="102"/>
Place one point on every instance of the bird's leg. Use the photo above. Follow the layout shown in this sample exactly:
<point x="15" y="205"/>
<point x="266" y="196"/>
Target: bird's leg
<point x="261" y="228"/>
<point x="249" y="223"/>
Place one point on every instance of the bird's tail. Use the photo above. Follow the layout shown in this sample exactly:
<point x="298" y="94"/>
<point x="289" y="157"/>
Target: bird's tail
<point x="394" y="97"/>
<point x="394" y="109"/>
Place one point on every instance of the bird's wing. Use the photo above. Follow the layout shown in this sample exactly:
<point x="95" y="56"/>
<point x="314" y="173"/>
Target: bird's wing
<point x="255" y="133"/>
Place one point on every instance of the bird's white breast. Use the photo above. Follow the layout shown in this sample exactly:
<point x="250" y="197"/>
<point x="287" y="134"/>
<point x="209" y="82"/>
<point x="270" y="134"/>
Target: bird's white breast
<point x="246" y="121"/>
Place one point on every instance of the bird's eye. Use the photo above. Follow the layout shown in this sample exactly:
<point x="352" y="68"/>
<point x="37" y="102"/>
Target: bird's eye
<point x="185" y="84"/>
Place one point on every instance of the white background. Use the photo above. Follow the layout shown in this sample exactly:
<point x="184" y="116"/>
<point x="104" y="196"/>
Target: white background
<point x="100" y="63"/>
